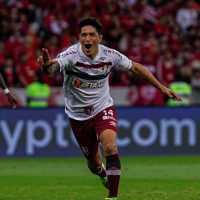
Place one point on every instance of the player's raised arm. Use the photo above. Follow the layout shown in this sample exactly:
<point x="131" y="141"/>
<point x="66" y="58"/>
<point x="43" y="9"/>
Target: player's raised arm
<point x="148" y="76"/>
<point x="48" y="65"/>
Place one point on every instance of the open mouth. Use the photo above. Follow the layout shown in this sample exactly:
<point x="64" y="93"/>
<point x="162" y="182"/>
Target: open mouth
<point x="88" y="46"/>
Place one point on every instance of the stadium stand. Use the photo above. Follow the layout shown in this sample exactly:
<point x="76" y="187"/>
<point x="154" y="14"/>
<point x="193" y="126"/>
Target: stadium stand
<point x="162" y="35"/>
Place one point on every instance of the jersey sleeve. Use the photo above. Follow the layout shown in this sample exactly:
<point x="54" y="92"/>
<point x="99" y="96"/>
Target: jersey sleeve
<point x="65" y="59"/>
<point x="121" y="60"/>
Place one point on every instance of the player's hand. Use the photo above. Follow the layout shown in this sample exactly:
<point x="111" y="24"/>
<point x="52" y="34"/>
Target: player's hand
<point x="44" y="60"/>
<point x="48" y="65"/>
<point x="12" y="100"/>
<point x="170" y="93"/>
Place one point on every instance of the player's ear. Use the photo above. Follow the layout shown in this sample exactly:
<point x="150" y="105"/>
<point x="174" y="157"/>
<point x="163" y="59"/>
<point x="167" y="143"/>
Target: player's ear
<point x="100" y="38"/>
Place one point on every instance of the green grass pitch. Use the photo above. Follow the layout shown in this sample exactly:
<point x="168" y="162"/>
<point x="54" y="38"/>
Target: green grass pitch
<point x="143" y="178"/>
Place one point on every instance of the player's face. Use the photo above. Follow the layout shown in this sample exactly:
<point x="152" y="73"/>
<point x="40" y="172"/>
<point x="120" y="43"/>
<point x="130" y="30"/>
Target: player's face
<point x="89" y="39"/>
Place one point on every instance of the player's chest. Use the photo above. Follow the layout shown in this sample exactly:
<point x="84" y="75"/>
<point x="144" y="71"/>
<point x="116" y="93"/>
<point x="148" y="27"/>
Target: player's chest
<point x="96" y="68"/>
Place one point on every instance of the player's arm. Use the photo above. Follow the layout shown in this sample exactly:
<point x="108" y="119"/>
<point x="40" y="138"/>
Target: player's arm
<point x="3" y="85"/>
<point x="48" y="65"/>
<point x="148" y="76"/>
<point x="11" y="98"/>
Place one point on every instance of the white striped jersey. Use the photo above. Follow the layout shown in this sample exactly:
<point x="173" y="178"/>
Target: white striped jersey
<point x="86" y="86"/>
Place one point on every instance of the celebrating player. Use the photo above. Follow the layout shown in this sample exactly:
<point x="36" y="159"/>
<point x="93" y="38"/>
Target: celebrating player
<point x="12" y="100"/>
<point x="88" y="104"/>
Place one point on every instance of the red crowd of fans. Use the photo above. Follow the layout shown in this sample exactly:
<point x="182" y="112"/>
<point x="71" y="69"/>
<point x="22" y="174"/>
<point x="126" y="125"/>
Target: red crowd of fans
<point x="162" y="35"/>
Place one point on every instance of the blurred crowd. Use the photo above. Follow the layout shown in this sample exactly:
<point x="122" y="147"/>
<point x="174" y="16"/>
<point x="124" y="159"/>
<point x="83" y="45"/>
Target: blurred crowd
<point x="162" y="35"/>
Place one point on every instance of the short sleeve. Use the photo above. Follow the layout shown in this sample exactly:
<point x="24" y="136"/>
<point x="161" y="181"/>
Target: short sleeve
<point x="121" y="60"/>
<point x="124" y="62"/>
<point x="65" y="58"/>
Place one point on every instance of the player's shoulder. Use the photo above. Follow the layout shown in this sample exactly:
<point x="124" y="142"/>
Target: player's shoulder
<point x="70" y="51"/>
<point x="110" y="52"/>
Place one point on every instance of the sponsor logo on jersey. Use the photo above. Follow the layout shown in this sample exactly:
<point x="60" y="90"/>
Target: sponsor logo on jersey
<point x="112" y="123"/>
<point x="76" y="83"/>
<point x="80" y="84"/>
<point x="108" y="117"/>
<point x="113" y="52"/>
<point x="69" y="53"/>
<point x="66" y="54"/>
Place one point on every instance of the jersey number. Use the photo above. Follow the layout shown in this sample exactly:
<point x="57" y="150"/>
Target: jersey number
<point x="110" y="112"/>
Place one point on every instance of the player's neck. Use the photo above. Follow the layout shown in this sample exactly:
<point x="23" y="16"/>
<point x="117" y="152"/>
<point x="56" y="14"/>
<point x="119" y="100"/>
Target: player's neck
<point x="93" y="54"/>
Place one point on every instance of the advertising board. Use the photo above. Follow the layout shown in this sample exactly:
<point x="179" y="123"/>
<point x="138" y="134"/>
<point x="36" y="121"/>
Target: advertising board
<point x="142" y="131"/>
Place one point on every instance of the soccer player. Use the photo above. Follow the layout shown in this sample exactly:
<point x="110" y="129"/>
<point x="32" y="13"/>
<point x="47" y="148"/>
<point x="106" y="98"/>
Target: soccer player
<point x="11" y="98"/>
<point x="88" y="104"/>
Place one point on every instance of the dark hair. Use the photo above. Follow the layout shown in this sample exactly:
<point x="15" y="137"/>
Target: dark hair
<point x="92" y="22"/>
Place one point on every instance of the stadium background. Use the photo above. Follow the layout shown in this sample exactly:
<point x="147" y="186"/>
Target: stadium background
<point x="162" y="35"/>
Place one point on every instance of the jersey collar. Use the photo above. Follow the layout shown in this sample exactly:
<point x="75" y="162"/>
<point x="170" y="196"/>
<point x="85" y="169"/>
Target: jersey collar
<point x="86" y="58"/>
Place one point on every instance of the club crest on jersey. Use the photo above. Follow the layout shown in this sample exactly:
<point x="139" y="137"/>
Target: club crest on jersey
<point x="80" y="84"/>
<point x="105" y="69"/>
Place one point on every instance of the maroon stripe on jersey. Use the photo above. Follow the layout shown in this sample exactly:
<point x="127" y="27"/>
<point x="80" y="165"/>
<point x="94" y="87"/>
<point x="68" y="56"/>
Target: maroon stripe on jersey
<point x="100" y="65"/>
